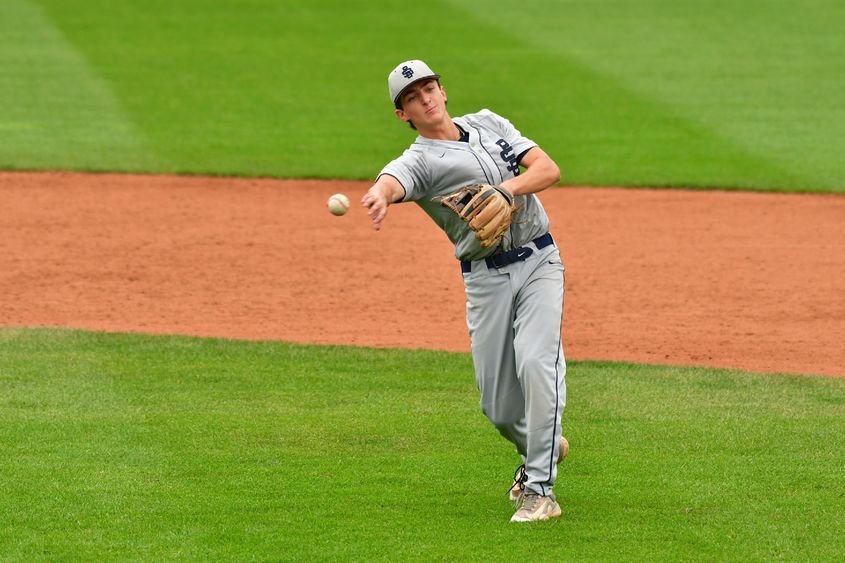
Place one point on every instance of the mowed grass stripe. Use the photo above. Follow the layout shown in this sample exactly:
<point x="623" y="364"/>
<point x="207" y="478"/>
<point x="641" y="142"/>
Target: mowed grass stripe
<point x="58" y="112"/>
<point x="655" y="93"/>
<point x="261" y="88"/>
<point x="126" y="446"/>
<point x="756" y="82"/>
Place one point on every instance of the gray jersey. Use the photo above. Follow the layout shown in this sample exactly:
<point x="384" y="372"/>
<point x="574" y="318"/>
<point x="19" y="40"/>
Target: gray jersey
<point x="432" y="168"/>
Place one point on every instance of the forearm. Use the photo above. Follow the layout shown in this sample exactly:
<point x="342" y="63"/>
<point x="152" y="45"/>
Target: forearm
<point x="388" y="188"/>
<point x="540" y="173"/>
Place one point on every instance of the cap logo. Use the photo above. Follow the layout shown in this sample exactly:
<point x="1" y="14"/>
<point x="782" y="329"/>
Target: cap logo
<point x="407" y="72"/>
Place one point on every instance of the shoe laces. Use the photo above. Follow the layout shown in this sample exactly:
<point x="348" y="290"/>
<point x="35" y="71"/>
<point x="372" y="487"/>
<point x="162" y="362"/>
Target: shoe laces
<point x="530" y="501"/>
<point x="519" y="478"/>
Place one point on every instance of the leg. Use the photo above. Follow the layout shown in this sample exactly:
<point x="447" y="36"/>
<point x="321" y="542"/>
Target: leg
<point x="490" y="323"/>
<point x="541" y="367"/>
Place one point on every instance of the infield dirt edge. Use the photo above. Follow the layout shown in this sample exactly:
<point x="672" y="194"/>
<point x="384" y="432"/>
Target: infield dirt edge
<point x="681" y="277"/>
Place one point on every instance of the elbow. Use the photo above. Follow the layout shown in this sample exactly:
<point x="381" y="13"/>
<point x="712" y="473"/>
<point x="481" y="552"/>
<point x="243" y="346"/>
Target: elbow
<point x="554" y="173"/>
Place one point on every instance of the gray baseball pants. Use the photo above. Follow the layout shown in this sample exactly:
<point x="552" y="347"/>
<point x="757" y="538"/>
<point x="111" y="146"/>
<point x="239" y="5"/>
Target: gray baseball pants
<point x="514" y="316"/>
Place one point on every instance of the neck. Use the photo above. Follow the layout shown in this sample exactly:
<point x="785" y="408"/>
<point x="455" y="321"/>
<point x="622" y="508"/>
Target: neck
<point x="443" y="131"/>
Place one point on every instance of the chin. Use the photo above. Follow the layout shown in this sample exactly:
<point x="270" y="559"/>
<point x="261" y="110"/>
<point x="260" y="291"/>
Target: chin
<point x="434" y="116"/>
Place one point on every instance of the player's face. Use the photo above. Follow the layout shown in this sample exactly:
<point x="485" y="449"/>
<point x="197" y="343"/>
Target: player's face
<point x="424" y="104"/>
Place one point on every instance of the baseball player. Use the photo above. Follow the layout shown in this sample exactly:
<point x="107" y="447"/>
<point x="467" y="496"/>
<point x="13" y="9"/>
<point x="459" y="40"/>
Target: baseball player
<point x="464" y="173"/>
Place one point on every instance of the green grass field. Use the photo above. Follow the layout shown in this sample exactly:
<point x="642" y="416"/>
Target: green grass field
<point x="646" y="93"/>
<point x="161" y="448"/>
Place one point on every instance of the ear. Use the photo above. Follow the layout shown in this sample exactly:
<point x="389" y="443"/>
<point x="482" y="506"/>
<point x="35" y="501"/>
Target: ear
<point x="402" y="115"/>
<point x="445" y="98"/>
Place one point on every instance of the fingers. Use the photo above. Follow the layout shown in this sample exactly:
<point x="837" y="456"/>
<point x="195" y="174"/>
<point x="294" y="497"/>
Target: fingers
<point x="377" y="214"/>
<point x="376" y="208"/>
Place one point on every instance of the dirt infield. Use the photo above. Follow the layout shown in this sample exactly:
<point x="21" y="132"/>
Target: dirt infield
<point x="738" y="280"/>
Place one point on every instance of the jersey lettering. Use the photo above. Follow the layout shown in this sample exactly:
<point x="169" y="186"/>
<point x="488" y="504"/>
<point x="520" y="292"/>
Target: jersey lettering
<point x="508" y="156"/>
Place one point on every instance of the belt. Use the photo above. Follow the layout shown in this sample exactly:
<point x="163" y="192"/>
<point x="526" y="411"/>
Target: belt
<point x="511" y="256"/>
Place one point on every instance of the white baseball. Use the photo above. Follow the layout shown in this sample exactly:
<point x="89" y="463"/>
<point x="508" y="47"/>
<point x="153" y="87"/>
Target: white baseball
<point x="338" y="204"/>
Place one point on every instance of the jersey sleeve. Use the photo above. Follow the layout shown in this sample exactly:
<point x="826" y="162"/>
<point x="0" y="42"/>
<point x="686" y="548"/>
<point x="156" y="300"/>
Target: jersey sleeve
<point x="509" y="133"/>
<point x="411" y="172"/>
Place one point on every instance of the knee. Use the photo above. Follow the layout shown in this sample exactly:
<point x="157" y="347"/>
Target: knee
<point x="502" y="419"/>
<point x="539" y="365"/>
<point x="533" y="364"/>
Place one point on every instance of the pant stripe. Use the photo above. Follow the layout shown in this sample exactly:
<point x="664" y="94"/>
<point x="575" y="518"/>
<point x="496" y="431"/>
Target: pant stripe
<point x="557" y="404"/>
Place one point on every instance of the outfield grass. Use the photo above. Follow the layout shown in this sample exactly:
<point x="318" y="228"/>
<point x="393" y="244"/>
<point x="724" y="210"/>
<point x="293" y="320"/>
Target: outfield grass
<point x="151" y="448"/>
<point x="654" y="92"/>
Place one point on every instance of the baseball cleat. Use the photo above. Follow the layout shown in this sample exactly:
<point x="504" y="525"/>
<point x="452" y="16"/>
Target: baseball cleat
<point x="515" y="492"/>
<point x="536" y="508"/>
<point x="564" y="449"/>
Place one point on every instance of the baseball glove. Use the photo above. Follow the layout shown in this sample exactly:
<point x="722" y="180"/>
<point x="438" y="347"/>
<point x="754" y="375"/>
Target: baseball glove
<point x="488" y="209"/>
